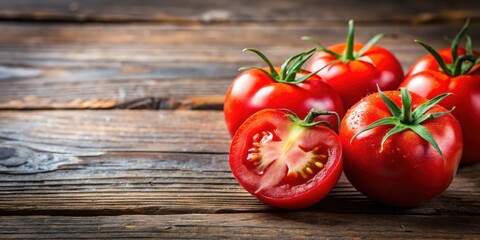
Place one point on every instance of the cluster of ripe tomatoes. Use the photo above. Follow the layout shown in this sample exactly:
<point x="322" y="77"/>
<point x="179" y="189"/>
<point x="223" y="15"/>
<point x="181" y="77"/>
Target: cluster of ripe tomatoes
<point x="292" y="137"/>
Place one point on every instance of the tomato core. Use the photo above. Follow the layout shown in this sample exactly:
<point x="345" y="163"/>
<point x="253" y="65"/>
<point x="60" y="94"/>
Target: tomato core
<point x="277" y="157"/>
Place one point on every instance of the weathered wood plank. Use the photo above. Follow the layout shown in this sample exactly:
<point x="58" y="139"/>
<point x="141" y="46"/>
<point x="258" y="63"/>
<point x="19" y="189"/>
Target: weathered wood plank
<point x="206" y="11"/>
<point x="86" y="132"/>
<point x="162" y="66"/>
<point x="132" y="162"/>
<point x="173" y="183"/>
<point x="286" y="225"/>
<point x="21" y="160"/>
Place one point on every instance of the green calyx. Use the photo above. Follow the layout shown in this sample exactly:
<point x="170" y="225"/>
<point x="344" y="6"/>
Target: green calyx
<point x="288" y="70"/>
<point x="404" y="119"/>
<point x="349" y="53"/>
<point x="461" y="64"/>
<point x="309" y="119"/>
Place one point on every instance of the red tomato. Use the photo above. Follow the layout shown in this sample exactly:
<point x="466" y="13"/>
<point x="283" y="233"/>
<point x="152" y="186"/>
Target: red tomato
<point x="257" y="89"/>
<point x="283" y="162"/>
<point x="356" y="69"/>
<point x="428" y="62"/>
<point x="405" y="158"/>
<point x="427" y="79"/>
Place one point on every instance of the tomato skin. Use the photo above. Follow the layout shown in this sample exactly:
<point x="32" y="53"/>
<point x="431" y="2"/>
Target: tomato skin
<point x="408" y="171"/>
<point x="288" y="194"/>
<point x="425" y="79"/>
<point x="355" y="79"/>
<point x="253" y="90"/>
<point x="428" y="62"/>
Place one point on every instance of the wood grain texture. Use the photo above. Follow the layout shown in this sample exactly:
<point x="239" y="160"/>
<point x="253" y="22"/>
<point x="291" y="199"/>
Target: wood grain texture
<point x="20" y="160"/>
<point x="208" y="11"/>
<point x="162" y="162"/>
<point x="288" y="225"/>
<point x="68" y="66"/>
<point x="85" y="132"/>
<point x="172" y="183"/>
<point x="117" y="173"/>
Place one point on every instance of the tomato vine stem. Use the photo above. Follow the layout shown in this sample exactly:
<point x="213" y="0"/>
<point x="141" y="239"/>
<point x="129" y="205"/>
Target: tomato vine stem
<point x="461" y="65"/>
<point x="349" y="54"/>
<point x="309" y="120"/>
<point x="288" y="70"/>
<point x="404" y="119"/>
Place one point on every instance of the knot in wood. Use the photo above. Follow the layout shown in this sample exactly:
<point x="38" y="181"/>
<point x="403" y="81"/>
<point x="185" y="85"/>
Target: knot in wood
<point x="6" y="153"/>
<point x="21" y="160"/>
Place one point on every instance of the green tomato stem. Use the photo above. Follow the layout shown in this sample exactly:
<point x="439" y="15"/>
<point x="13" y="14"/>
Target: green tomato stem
<point x="437" y="57"/>
<point x="348" y="56"/>
<point x="273" y="73"/>
<point x="288" y="70"/>
<point x="369" y="44"/>
<point x="321" y="48"/>
<point x="406" y="107"/>
<point x="456" y="40"/>
<point x="458" y="68"/>
<point x="404" y="119"/>
<point x="309" y="120"/>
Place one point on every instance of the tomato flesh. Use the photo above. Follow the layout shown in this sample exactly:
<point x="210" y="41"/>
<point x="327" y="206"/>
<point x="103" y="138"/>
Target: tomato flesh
<point x="284" y="164"/>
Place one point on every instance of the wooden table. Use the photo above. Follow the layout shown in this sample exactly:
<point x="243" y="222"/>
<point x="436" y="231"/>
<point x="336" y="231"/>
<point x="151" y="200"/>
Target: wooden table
<point x="111" y="122"/>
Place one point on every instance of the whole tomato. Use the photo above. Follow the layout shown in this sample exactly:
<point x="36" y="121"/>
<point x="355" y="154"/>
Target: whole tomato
<point x="356" y="69"/>
<point x="455" y="70"/>
<point x="287" y="87"/>
<point x="396" y="156"/>
<point x="284" y="161"/>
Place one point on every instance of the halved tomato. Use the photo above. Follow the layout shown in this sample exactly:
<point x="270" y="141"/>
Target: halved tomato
<point x="284" y="161"/>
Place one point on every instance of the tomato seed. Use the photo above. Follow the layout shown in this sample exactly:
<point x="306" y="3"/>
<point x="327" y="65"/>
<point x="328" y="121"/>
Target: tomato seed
<point x="256" y="137"/>
<point x="319" y="164"/>
<point x="253" y="150"/>
<point x="303" y="174"/>
<point x="253" y="157"/>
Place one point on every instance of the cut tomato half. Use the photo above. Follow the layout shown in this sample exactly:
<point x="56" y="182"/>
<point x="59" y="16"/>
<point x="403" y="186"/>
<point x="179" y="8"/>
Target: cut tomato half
<point x="283" y="162"/>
